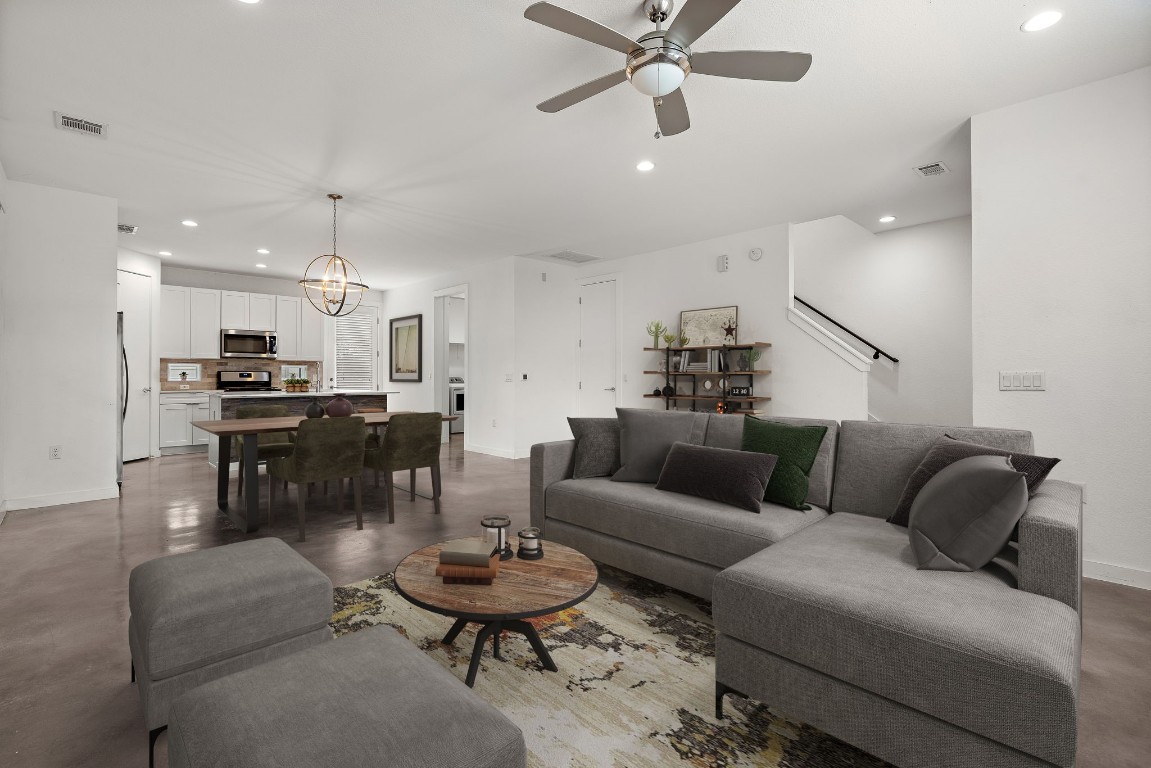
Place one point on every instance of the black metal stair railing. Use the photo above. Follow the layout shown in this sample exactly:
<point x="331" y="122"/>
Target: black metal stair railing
<point x="838" y="324"/>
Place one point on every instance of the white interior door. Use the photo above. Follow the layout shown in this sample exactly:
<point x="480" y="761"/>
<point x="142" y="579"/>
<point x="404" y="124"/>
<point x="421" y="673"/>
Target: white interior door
<point x="597" y="351"/>
<point x="134" y="299"/>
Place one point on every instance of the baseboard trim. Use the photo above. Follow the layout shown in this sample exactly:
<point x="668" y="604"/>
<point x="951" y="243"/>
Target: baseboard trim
<point x="502" y="453"/>
<point x="1118" y="574"/>
<point x="70" y="497"/>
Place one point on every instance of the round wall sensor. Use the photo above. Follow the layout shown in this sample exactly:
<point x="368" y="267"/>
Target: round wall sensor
<point x="755" y="254"/>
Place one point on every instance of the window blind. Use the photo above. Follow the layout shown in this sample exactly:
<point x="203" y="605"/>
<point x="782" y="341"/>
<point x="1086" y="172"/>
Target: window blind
<point x="356" y="349"/>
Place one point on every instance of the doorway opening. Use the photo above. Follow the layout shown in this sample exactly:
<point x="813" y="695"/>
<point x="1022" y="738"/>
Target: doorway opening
<point x="451" y="359"/>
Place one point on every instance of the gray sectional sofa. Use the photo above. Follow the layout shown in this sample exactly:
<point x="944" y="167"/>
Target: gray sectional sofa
<point x="824" y="614"/>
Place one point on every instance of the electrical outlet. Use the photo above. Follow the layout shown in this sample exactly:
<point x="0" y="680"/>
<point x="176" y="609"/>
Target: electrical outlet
<point x="185" y="386"/>
<point x="493" y="422"/>
<point x="55" y="452"/>
<point x="509" y="377"/>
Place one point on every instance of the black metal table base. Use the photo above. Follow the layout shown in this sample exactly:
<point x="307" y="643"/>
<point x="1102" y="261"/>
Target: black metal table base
<point x="493" y="629"/>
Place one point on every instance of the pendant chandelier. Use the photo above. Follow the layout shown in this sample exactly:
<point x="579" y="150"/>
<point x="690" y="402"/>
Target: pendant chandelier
<point x="329" y="290"/>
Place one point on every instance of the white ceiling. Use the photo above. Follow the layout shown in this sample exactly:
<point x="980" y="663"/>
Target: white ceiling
<point x="422" y="114"/>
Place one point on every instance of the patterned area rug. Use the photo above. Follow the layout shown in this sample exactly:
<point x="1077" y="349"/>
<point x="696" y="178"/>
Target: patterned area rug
<point x="635" y="687"/>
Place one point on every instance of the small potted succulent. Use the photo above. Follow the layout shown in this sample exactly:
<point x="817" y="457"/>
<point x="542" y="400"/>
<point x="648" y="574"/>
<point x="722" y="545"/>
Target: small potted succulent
<point x="296" y="385"/>
<point x="748" y="358"/>
<point x="655" y="329"/>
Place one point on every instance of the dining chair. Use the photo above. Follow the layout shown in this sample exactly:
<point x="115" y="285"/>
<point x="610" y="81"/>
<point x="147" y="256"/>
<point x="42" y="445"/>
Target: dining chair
<point x="268" y="445"/>
<point x="411" y="441"/>
<point x="325" y="449"/>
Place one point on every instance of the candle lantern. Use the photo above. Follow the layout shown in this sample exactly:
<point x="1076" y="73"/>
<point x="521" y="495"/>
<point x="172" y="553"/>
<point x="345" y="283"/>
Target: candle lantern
<point x="531" y="546"/>
<point x="496" y="534"/>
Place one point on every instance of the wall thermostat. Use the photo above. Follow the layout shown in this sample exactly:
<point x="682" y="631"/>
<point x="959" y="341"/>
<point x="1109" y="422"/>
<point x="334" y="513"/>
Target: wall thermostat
<point x="755" y="254"/>
<point x="721" y="263"/>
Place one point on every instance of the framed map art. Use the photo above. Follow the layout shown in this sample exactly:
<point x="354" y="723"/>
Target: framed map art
<point x="706" y="327"/>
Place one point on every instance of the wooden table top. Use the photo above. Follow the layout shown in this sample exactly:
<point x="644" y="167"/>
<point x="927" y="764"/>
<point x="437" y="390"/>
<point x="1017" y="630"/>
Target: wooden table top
<point x="230" y="427"/>
<point x="523" y="588"/>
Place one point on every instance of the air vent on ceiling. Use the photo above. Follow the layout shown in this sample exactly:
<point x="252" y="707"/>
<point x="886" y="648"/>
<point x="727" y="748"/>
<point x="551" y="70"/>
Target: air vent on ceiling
<point x="932" y="169"/>
<point x="571" y="257"/>
<point x="126" y="229"/>
<point x="80" y="125"/>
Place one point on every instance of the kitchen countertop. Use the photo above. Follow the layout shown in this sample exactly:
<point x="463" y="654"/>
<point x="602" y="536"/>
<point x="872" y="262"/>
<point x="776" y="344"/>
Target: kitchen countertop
<point x="326" y="393"/>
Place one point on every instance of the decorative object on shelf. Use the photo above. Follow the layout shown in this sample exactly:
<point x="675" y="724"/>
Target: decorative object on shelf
<point x="748" y="359"/>
<point x="656" y="392"/>
<point x="531" y="547"/>
<point x="707" y="385"/>
<point x="668" y="390"/>
<point x="739" y="391"/>
<point x="682" y="339"/>
<point x="496" y="534"/>
<point x="328" y="289"/>
<point x="669" y="337"/>
<point x="406" y="348"/>
<point x="655" y="329"/>
<point x="729" y="330"/>
<point x="340" y="406"/>
<point x="721" y="407"/>
<point x="705" y="327"/>
<point x="314" y="409"/>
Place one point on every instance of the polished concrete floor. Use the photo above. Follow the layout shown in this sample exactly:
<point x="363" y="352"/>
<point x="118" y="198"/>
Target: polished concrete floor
<point x="65" y="697"/>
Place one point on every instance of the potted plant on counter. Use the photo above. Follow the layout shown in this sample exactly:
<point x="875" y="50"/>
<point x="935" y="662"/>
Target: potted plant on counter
<point x="296" y="385"/>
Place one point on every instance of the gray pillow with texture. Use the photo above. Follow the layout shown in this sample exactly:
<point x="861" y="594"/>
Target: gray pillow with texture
<point x="965" y="513"/>
<point x="597" y="447"/>
<point x="646" y="437"/>
<point x="738" y="478"/>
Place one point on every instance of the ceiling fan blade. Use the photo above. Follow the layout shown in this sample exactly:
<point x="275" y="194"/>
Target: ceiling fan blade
<point x="672" y="113"/>
<point x="573" y="24"/>
<point x="782" y="66"/>
<point x="581" y="92"/>
<point x="697" y="17"/>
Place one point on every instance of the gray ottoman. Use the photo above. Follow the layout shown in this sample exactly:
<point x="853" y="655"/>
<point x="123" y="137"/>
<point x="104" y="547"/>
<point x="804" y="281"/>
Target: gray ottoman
<point x="203" y="615"/>
<point x="371" y="698"/>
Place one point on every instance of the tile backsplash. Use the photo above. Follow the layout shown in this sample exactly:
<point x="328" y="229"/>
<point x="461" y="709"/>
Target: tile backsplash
<point x="208" y="370"/>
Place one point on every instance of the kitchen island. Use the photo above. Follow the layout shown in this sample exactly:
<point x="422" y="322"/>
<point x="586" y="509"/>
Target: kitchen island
<point x="223" y="405"/>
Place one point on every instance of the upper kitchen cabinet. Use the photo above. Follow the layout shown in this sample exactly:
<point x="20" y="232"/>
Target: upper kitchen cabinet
<point x="247" y="311"/>
<point x="189" y="322"/>
<point x="299" y="330"/>
<point x="174" y="321"/>
<point x="261" y="312"/>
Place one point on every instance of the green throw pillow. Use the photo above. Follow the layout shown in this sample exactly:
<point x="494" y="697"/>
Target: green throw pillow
<point x="796" y="448"/>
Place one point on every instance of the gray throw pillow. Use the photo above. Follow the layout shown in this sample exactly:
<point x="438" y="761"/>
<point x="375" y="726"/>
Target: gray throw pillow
<point x="597" y="447"/>
<point x="646" y="437"/>
<point x="947" y="450"/>
<point x="964" y="515"/>
<point x="738" y="478"/>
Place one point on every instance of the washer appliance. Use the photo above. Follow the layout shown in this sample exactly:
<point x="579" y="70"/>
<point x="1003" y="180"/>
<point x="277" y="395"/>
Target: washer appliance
<point x="456" y="404"/>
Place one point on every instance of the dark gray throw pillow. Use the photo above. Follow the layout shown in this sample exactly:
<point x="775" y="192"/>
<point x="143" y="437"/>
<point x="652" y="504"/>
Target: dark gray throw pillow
<point x="597" y="447"/>
<point x="947" y="450"/>
<point x="964" y="515"/>
<point x="645" y="437"/>
<point x="738" y="478"/>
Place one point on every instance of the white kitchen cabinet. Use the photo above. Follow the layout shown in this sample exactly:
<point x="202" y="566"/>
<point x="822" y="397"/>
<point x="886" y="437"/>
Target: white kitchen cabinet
<point x="204" y="323"/>
<point x="199" y="412"/>
<point x="177" y="412"/>
<point x="174" y="319"/>
<point x="234" y="311"/>
<point x="457" y="321"/>
<point x="313" y="330"/>
<point x="288" y="327"/>
<point x="261" y="312"/>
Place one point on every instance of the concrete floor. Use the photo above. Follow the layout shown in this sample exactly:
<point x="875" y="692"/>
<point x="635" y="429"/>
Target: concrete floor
<point x="65" y="697"/>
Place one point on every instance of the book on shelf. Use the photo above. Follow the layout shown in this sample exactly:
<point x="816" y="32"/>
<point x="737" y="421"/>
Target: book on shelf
<point x="470" y="571"/>
<point x="467" y="552"/>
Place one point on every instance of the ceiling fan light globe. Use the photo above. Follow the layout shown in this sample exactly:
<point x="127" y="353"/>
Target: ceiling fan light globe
<point x="656" y="78"/>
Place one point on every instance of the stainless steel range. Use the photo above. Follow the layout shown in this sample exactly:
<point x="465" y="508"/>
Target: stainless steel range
<point x="456" y="403"/>
<point x="245" y="381"/>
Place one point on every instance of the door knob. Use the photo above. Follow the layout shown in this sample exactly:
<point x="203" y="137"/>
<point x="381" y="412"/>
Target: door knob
<point x="146" y="389"/>
<point x="609" y="389"/>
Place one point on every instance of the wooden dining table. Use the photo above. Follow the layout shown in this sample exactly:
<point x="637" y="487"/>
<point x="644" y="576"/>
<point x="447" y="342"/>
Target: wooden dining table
<point x="247" y="519"/>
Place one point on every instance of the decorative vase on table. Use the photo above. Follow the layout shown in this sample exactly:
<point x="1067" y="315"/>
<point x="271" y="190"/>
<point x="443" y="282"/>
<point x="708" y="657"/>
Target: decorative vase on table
<point x="341" y="406"/>
<point x="314" y="409"/>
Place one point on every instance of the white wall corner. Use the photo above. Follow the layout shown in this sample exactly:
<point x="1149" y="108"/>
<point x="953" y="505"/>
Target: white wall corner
<point x="1117" y="574"/>
<point x="829" y="340"/>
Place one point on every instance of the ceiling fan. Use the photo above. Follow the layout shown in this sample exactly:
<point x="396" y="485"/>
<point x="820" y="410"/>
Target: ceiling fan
<point x="658" y="62"/>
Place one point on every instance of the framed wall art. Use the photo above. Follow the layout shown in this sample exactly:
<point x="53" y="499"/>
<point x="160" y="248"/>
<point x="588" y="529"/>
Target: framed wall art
<point x="406" y="348"/>
<point x="704" y="327"/>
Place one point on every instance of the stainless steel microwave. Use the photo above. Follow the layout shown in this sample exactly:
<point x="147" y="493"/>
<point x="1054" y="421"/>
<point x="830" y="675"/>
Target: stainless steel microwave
<point x="234" y="343"/>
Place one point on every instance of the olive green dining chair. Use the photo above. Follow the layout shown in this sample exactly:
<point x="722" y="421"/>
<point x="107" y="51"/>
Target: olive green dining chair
<point x="268" y="445"/>
<point x="411" y="441"/>
<point x="325" y="449"/>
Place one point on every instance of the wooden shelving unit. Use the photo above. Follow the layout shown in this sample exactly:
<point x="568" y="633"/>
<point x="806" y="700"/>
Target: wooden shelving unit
<point x="678" y="380"/>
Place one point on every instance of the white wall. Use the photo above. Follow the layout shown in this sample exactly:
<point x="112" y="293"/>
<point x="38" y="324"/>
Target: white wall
<point x="6" y="364"/>
<point x="1061" y="192"/>
<point x="143" y="264"/>
<point x="907" y="290"/>
<point x="65" y="398"/>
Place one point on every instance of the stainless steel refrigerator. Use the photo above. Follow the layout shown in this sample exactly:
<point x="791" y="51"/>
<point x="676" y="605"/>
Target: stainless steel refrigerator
<point x="122" y="397"/>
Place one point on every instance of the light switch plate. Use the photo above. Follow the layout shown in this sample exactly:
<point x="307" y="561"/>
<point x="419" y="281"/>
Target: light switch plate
<point x="1031" y="381"/>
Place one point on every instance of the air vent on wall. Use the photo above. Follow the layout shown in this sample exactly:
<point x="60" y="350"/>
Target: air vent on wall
<point x="126" y="229"/>
<point x="571" y="257"/>
<point x="80" y="125"/>
<point x="932" y="169"/>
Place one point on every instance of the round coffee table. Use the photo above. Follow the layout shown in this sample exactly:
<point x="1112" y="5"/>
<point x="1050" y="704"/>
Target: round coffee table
<point x="523" y="589"/>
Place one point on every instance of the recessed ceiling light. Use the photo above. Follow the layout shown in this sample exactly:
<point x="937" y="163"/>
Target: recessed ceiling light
<point x="263" y="251"/>
<point x="260" y="266"/>
<point x="165" y="253"/>
<point x="250" y="2"/>
<point x="189" y="223"/>
<point x="644" y="165"/>
<point x="886" y="219"/>
<point x="1042" y="21"/>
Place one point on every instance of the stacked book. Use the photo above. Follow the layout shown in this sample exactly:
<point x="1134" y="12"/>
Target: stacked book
<point x="468" y="561"/>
